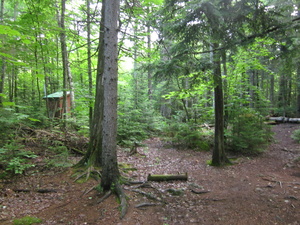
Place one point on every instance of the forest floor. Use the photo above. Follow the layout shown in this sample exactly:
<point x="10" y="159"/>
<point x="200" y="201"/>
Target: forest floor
<point x="255" y="190"/>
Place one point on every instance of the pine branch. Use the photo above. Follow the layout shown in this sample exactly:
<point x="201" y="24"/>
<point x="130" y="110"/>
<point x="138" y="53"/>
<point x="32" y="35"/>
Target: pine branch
<point x="245" y="40"/>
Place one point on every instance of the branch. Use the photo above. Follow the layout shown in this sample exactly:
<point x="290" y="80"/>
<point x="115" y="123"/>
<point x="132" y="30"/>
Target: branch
<point x="241" y="42"/>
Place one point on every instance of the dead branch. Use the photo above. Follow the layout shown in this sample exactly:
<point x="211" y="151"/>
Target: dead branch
<point x="199" y="192"/>
<point x="168" y="177"/>
<point x="38" y="190"/>
<point x="145" y="204"/>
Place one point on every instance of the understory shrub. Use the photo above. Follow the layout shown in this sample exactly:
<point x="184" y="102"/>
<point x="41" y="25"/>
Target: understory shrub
<point x="14" y="159"/>
<point x="188" y="136"/>
<point x="296" y="135"/>
<point x="247" y="133"/>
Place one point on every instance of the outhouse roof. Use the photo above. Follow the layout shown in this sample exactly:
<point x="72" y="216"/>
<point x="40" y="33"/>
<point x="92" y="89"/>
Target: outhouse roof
<point x="58" y="94"/>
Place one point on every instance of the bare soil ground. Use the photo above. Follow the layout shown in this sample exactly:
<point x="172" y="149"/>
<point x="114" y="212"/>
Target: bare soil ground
<point x="255" y="190"/>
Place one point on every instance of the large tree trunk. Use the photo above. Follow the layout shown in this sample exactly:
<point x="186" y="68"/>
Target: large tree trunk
<point x="219" y="158"/>
<point x="110" y="172"/>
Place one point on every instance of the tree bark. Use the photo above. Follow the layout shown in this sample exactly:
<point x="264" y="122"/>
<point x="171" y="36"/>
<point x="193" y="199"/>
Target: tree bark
<point x="219" y="157"/>
<point x="89" y="60"/>
<point x="93" y="157"/>
<point x="110" y="171"/>
<point x="64" y="56"/>
<point x="3" y="63"/>
<point x="167" y="177"/>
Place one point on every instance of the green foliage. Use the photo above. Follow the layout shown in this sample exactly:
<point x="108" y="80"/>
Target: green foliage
<point x="27" y="220"/>
<point x="14" y="159"/>
<point x="188" y="136"/>
<point x="247" y="133"/>
<point x="296" y="135"/>
<point x="61" y="156"/>
<point x="11" y="121"/>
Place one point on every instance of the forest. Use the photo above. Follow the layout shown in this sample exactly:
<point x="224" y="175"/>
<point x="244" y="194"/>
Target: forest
<point x="89" y="88"/>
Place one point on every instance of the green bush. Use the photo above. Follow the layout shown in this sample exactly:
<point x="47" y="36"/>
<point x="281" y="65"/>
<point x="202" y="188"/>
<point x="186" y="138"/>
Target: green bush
<point x="296" y="135"/>
<point x="188" y="136"/>
<point x="14" y="159"/>
<point x="247" y="133"/>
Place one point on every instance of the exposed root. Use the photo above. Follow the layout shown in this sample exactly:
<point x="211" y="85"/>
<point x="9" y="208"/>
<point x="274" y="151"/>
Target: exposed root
<point x="122" y="197"/>
<point x="107" y="194"/>
<point x="90" y="170"/>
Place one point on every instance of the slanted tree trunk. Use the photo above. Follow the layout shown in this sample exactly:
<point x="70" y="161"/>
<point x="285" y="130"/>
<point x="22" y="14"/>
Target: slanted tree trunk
<point x="93" y="156"/>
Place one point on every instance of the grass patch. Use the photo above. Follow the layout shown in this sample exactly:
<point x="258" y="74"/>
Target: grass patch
<point x="27" y="220"/>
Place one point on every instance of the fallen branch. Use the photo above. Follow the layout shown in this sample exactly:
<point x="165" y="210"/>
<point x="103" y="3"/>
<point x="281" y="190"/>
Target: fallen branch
<point x="38" y="190"/>
<point x="282" y="119"/>
<point x="145" y="204"/>
<point x="199" y="192"/>
<point x="168" y="177"/>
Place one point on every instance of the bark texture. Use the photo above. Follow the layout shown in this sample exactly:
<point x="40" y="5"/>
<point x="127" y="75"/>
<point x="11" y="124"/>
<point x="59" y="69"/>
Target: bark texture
<point x="219" y="157"/>
<point x="110" y="172"/>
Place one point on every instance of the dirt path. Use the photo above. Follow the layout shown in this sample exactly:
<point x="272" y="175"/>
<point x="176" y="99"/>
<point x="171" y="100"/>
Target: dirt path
<point x="262" y="190"/>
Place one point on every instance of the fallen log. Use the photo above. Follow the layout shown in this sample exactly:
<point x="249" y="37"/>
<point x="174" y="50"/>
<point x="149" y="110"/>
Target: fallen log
<point x="167" y="177"/>
<point x="282" y="119"/>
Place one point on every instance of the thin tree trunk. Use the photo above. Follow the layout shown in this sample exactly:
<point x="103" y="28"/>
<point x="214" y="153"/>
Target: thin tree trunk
<point x="3" y="62"/>
<point x="2" y="77"/>
<point x="149" y="57"/>
<point x="298" y="90"/>
<point x="64" y="55"/>
<point x="225" y="87"/>
<point x="93" y="156"/>
<point x="89" y="60"/>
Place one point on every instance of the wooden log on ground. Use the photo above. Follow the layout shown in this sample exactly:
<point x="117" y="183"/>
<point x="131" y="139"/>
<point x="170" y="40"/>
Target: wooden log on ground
<point x="167" y="177"/>
<point x="282" y="119"/>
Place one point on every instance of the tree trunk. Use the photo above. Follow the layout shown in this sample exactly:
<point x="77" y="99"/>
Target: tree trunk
<point x="149" y="57"/>
<point x="219" y="158"/>
<point x="298" y="90"/>
<point x="89" y="60"/>
<point x="3" y="63"/>
<point x="110" y="171"/>
<point x="64" y="55"/>
<point x="93" y="157"/>
<point x="2" y="77"/>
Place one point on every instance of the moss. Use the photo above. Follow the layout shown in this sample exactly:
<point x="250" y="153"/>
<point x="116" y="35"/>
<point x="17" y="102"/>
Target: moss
<point x="27" y="220"/>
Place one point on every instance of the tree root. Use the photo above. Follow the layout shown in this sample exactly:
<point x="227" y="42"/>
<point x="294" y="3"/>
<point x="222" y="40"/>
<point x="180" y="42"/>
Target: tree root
<point x="88" y="173"/>
<point x="122" y="197"/>
<point x="107" y="194"/>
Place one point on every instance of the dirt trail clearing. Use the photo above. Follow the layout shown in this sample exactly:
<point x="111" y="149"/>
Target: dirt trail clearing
<point x="262" y="190"/>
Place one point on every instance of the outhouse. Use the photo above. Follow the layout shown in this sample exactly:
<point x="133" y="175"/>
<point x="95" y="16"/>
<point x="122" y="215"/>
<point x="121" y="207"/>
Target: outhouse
<point x="54" y="104"/>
